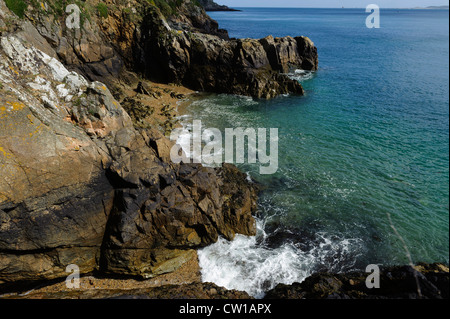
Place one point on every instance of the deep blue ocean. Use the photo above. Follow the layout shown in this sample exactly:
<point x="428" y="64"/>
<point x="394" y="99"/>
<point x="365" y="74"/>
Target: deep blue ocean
<point x="369" y="138"/>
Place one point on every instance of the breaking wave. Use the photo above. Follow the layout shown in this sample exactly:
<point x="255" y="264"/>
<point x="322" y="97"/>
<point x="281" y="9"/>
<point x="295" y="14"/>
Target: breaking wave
<point x="257" y="264"/>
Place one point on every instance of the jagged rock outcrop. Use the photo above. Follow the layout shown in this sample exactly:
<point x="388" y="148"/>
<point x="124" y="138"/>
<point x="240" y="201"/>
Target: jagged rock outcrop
<point x="207" y="62"/>
<point x="80" y="185"/>
<point x="103" y="46"/>
<point x="429" y="281"/>
<point x="172" y="42"/>
<point x="161" y="211"/>
<point x="84" y="48"/>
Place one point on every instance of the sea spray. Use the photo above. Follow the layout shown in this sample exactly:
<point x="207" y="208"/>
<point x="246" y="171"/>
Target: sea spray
<point x="250" y="264"/>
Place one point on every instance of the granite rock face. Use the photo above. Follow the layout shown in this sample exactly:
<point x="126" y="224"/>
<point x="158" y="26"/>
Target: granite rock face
<point x="80" y="185"/>
<point x="52" y="170"/>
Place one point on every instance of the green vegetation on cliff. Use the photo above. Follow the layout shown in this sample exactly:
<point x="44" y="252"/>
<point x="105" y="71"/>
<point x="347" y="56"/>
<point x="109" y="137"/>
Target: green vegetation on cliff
<point x="57" y="8"/>
<point x="16" y="6"/>
<point x="102" y="10"/>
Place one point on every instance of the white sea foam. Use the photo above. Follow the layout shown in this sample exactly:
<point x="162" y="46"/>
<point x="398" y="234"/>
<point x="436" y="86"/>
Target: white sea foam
<point x="300" y="75"/>
<point x="243" y="266"/>
<point x="247" y="265"/>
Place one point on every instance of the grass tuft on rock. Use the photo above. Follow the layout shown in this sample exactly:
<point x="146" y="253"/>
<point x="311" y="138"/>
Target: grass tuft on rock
<point x="102" y="10"/>
<point x="17" y="6"/>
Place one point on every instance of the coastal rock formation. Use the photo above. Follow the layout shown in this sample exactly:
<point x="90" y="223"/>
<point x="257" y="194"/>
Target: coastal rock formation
<point x="80" y="185"/>
<point x="206" y="62"/>
<point x="430" y="281"/>
<point x="163" y="212"/>
<point x="52" y="175"/>
<point x="170" y="42"/>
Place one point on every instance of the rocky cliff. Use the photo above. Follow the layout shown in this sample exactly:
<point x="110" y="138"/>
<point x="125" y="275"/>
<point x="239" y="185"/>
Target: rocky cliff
<point x="209" y="61"/>
<point x="167" y="41"/>
<point x="79" y="183"/>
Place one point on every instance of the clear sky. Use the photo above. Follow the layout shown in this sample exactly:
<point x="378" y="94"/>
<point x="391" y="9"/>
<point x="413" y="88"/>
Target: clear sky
<point x="332" y="3"/>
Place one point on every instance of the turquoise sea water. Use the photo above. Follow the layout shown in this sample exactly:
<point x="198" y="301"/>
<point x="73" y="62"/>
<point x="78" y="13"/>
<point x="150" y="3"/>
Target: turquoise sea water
<point x="369" y="138"/>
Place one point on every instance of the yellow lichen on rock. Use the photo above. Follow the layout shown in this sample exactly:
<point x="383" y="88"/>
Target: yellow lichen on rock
<point x="16" y="105"/>
<point x="4" y="153"/>
<point x="30" y="118"/>
<point x="14" y="70"/>
<point x="3" y="198"/>
<point x="11" y="106"/>
<point x="37" y="129"/>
